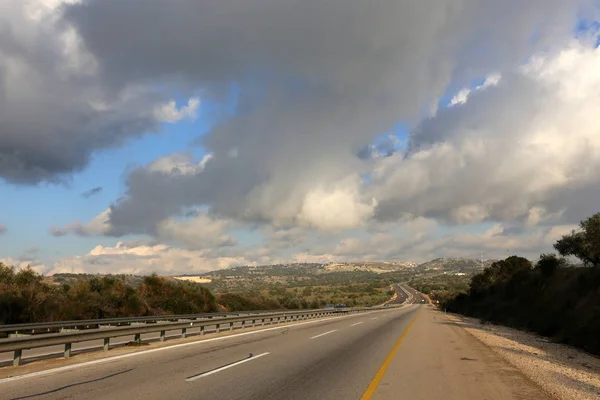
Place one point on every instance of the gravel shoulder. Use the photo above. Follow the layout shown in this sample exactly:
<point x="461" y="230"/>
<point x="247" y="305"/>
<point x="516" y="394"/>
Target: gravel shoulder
<point x="562" y="371"/>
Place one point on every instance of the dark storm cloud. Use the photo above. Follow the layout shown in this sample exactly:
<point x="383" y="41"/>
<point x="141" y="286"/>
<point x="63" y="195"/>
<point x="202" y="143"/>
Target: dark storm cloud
<point x="55" y="110"/>
<point x="316" y="82"/>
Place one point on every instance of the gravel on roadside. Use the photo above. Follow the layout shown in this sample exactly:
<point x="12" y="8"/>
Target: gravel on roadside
<point x="564" y="372"/>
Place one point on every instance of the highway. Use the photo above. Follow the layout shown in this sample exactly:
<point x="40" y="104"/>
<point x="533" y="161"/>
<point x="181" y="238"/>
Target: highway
<point x="411" y="352"/>
<point x="407" y="294"/>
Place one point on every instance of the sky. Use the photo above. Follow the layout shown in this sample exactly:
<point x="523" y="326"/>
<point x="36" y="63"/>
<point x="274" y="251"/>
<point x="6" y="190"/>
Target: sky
<point x="197" y="135"/>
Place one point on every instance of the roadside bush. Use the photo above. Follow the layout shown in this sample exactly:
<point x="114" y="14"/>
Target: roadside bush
<point x="26" y="297"/>
<point x="559" y="302"/>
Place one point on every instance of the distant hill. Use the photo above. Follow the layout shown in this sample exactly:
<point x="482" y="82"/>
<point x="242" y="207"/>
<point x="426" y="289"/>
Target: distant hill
<point x="304" y="274"/>
<point x="454" y="265"/>
<point x="378" y="267"/>
<point x="244" y="278"/>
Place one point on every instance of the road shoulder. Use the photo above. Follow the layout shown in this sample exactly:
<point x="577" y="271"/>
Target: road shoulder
<point x="439" y="359"/>
<point x="565" y="372"/>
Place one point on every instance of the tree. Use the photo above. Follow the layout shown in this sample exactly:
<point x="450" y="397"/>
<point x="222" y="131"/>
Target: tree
<point x="549" y="263"/>
<point x="583" y="244"/>
<point x="499" y="271"/>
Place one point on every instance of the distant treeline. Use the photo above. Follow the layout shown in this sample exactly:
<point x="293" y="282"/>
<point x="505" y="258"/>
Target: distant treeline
<point x="551" y="297"/>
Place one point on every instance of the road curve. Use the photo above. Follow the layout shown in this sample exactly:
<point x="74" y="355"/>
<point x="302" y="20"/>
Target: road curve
<point x="412" y="351"/>
<point x="406" y="294"/>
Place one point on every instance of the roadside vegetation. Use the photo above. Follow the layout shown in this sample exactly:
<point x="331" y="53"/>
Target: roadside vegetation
<point x="442" y="287"/>
<point x="552" y="297"/>
<point x="364" y="294"/>
<point x="26" y="296"/>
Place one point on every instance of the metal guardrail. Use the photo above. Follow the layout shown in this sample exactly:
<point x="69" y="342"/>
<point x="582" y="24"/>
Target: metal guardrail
<point x="18" y="344"/>
<point x="84" y="323"/>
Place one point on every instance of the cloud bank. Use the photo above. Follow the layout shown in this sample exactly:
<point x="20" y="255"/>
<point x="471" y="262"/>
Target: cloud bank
<point x="313" y="88"/>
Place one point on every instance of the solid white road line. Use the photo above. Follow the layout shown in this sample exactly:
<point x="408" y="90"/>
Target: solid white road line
<point x="375" y="318"/>
<point x="358" y="323"/>
<point x="323" y="334"/>
<point x="175" y="346"/>
<point x="214" y="371"/>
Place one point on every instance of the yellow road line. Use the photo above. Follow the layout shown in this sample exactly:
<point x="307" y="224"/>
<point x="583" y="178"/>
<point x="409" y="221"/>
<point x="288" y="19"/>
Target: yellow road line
<point x="368" y="394"/>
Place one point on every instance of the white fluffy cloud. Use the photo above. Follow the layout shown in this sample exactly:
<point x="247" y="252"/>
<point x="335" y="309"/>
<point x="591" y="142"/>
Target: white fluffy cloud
<point x="100" y="225"/>
<point x="169" y="112"/>
<point x="336" y="208"/>
<point x="463" y="95"/>
<point x="201" y="231"/>
<point x="416" y="241"/>
<point x="178" y="164"/>
<point x="518" y="151"/>
<point x="34" y="264"/>
<point x="144" y="259"/>
<point x="496" y="242"/>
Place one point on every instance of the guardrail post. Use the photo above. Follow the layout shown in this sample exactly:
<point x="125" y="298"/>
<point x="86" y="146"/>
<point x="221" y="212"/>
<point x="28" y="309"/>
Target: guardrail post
<point x="202" y="330"/>
<point x="231" y="326"/>
<point x="163" y="334"/>
<point x="106" y="344"/>
<point x="218" y="328"/>
<point x="67" y="353"/>
<point x="183" y="333"/>
<point x="253" y="322"/>
<point x="137" y="338"/>
<point x="243" y="324"/>
<point x="17" y="358"/>
<point x="262" y="322"/>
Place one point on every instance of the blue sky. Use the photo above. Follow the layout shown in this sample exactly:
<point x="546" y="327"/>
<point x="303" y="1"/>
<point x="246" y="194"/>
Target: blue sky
<point x="32" y="210"/>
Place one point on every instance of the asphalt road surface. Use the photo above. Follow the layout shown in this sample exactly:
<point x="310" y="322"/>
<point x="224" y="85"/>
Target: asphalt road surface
<point x="406" y="294"/>
<point x="411" y="352"/>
